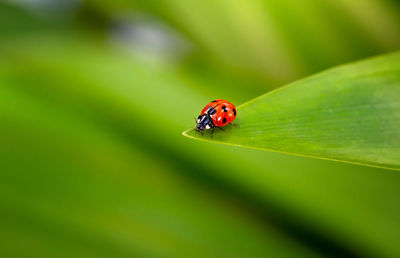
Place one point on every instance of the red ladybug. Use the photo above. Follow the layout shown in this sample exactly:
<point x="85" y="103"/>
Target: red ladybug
<point x="217" y="113"/>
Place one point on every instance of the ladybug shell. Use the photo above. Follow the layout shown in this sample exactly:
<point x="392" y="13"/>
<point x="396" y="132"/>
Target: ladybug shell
<point x="225" y="112"/>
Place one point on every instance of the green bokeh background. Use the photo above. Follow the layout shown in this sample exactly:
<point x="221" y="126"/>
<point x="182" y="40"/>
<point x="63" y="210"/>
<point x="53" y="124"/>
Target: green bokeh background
<point x="94" y="96"/>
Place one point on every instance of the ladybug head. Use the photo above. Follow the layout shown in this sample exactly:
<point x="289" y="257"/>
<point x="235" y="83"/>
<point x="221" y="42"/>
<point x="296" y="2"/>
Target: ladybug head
<point x="200" y="128"/>
<point x="204" y="122"/>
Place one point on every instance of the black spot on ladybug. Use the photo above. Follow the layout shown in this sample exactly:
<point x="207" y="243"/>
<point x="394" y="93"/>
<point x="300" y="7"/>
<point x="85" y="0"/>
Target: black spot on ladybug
<point x="213" y="101"/>
<point x="234" y="111"/>
<point x="224" y="120"/>
<point x="212" y="112"/>
<point x="224" y="109"/>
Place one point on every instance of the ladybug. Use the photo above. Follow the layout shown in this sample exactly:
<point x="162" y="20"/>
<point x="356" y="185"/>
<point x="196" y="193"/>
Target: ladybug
<point x="217" y="113"/>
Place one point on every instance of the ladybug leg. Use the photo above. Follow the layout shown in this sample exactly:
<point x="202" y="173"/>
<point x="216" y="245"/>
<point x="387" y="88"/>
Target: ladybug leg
<point x="221" y="129"/>
<point x="235" y="125"/>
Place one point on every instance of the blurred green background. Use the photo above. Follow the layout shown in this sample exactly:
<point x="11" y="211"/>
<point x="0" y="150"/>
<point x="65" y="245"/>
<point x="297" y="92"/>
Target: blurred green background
<point x="94" y="96"/>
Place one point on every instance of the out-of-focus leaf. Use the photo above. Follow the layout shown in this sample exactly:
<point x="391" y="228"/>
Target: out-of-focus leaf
<point x="72" y="189"/>
<point x="350" y="113"/>
<point x="276" y="40"/>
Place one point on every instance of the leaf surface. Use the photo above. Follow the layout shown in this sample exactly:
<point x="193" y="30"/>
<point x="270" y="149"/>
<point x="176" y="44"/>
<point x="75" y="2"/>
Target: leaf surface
<point x="350" y="113"/>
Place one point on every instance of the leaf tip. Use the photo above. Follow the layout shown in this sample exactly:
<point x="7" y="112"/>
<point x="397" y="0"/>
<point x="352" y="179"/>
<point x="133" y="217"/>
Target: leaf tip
<point x="185" y="133"/>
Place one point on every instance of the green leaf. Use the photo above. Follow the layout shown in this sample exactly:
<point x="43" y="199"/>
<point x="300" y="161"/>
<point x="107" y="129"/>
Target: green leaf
<point x="350" y="113"/>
